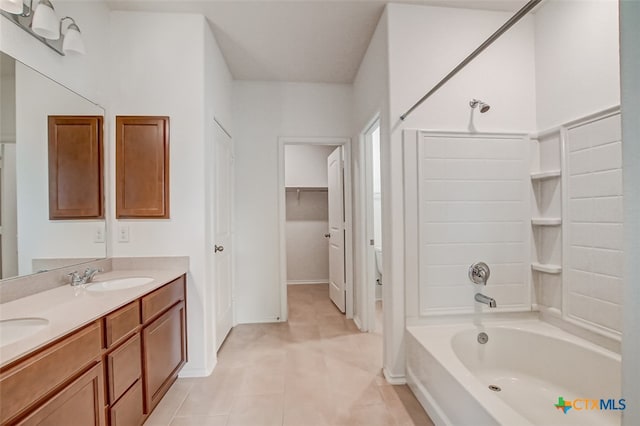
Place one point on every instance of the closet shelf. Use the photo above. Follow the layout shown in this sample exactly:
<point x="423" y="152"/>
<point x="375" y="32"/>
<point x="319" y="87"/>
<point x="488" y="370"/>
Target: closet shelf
<point x="543" y="221"/>
<point x="546" y="268"/>
<point x="549" y="174"/>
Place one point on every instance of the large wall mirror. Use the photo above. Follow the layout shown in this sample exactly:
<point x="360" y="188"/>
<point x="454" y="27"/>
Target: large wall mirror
<point x="29" y="241"/>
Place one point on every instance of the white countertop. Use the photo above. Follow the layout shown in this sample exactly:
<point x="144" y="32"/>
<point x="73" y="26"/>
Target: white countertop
<point x="69" y="308"/>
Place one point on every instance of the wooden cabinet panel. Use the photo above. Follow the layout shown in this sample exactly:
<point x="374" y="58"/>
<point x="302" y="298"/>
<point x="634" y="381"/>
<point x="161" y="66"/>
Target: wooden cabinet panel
<point x="128" y="410"/>
<point x="80" y="403"/>
<point x="75" y="167"/>
<point x="123" y="367"/>
<point x="121" y="323"/>
<point x="142" y="167"/>
<point x="162" y="299"/>
<point x="164" y="353"/>
<point x="30" y="380"/>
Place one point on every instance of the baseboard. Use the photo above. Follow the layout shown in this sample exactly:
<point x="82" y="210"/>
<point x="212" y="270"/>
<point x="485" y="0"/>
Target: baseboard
<point x="298" y="282"/>
<point x="426" y="400"/>
<point x="196" y="372"/>
<point x="394" y="379"/>
<point x="356" y="320"/>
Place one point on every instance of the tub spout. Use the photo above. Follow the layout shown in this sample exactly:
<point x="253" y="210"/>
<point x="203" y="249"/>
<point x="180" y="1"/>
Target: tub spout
<point x="486" y="300"/>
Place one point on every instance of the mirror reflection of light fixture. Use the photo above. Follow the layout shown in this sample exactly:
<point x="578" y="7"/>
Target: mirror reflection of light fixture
<point x="72" y="42"/>
<point x="42" y="23"/>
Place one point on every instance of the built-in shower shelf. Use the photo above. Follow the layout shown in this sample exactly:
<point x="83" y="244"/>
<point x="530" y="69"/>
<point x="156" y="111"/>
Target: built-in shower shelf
<point x="543" y="221"/>
<point x="547" y="268"/>
<point x="549" y="174"/>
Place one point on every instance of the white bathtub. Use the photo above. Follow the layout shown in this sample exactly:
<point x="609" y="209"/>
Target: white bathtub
<point x="532" y="362"/>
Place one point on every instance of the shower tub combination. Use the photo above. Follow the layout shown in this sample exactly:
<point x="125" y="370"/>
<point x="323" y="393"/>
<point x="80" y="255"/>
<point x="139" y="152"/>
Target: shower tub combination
<point x="515" y="378"/>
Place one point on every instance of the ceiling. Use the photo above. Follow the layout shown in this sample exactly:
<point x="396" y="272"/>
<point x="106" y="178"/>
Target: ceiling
<point x="296" y="40"/>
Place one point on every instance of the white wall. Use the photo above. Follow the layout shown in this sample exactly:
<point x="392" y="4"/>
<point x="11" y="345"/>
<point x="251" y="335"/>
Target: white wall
<point x="37" y="97"/>
<point x="83" y="74"/>
<point x="306" y="165"/>
<point x="502" y="76"/>
<point x="159" y="69"/>
<point x="630" y="76"/>
<point x="262" y="112"/>
<point x="370" y="99"/>
<point x="577" y="70"/>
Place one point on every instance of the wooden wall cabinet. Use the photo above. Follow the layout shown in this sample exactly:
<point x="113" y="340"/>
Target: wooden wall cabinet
<point x="142" y="167"/>
<point x="75" y="167"/>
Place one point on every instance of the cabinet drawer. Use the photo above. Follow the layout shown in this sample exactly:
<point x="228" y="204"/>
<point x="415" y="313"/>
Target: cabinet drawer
<point x="128" y="410"/>
<point x="165" y="352"/>
<point x="123" y="367"/>
<point x="30" y="380"/>
<point x="80" y="403"/>
<point x="162" y="299"/>
<point x="120" y="323"/>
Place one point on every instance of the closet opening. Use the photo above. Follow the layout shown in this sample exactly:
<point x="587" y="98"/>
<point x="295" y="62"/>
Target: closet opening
<point x="315" y="228"/>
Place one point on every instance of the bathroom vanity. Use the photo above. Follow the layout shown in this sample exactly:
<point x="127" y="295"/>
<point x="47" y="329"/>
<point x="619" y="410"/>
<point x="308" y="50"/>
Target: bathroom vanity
<point x="121" y="353"/>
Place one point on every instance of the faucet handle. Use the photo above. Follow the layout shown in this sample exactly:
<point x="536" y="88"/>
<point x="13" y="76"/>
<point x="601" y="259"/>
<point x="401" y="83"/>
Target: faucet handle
<point x="76" y="279"/>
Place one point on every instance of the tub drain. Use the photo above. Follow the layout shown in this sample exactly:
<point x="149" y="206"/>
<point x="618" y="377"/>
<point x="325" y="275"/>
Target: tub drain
<point x="495" y="388"/>
<point x="483" y="338"/>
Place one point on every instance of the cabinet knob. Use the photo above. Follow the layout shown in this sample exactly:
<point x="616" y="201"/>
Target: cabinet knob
<point x="218" y="248"/>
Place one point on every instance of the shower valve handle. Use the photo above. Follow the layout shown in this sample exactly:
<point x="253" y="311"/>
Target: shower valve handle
<point x="479" y="273"/>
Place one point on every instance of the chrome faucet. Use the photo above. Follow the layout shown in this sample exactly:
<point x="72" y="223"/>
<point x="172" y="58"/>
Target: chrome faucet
<point x="481" y="298"/>
<point x="86" y="277"/>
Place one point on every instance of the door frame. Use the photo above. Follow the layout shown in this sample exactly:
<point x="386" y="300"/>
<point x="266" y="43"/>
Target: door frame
<point x="368" y="267"/>
<point x="345" y="143"/>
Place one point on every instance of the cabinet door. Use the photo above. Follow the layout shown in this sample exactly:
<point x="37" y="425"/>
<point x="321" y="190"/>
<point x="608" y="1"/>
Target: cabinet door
<point x="75" y="167"/>
<point x="123" y="368"/>
<point x="164" y="352"/>
<point x="128" y="410"/>
<point x="80" y="403"/>
<point x="142" y="167"/>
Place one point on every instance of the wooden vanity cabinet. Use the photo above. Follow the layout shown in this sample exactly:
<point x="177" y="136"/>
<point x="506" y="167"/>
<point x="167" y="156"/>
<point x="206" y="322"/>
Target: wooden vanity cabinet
<point x="79" y="403"/>
<point x="164" y="342"/>
<point x="48" y="376"/>
<point x="113" y="371"/>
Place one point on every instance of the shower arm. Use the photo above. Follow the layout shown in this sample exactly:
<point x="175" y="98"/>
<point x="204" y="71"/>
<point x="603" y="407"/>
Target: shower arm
<point x="511" y="22"/>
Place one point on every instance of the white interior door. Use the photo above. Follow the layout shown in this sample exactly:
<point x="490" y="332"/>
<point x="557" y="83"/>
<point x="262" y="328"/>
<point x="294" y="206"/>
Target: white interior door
<point x="336" y="229"/>
<point x="222" y="232"/>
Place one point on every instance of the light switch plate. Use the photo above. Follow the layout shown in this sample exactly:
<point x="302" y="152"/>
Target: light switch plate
<point x="123" y="234"/>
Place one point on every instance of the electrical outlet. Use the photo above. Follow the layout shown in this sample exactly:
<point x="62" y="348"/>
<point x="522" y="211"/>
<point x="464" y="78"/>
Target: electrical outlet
<point x="98" y="237"/>
<point x="123" y="234"/>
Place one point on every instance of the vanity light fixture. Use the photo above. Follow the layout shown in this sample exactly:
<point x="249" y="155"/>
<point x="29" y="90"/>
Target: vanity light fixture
<point x="45" y="21"/>
<point x="42" y="23"/>
<point x="11" y="6"/>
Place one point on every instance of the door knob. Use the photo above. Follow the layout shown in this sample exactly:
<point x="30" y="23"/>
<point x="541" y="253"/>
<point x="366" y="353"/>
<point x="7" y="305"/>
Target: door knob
<point x="327" y="235"/>
<point x="217" y="248"/>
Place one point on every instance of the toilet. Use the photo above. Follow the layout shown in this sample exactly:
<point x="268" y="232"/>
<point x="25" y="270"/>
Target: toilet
<point x="378" y="251"/>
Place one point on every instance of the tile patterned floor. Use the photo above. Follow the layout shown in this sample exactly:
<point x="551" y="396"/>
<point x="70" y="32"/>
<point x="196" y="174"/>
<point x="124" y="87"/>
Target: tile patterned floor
<point x="317" y="369"/>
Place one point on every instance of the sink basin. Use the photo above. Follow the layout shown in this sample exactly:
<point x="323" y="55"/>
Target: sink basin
<point x="119" y="284"/>
<point x="12" y="330"/>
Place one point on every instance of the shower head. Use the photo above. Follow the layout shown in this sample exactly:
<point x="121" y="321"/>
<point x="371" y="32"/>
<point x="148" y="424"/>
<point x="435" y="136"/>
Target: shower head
<point x="484" y="107"/>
